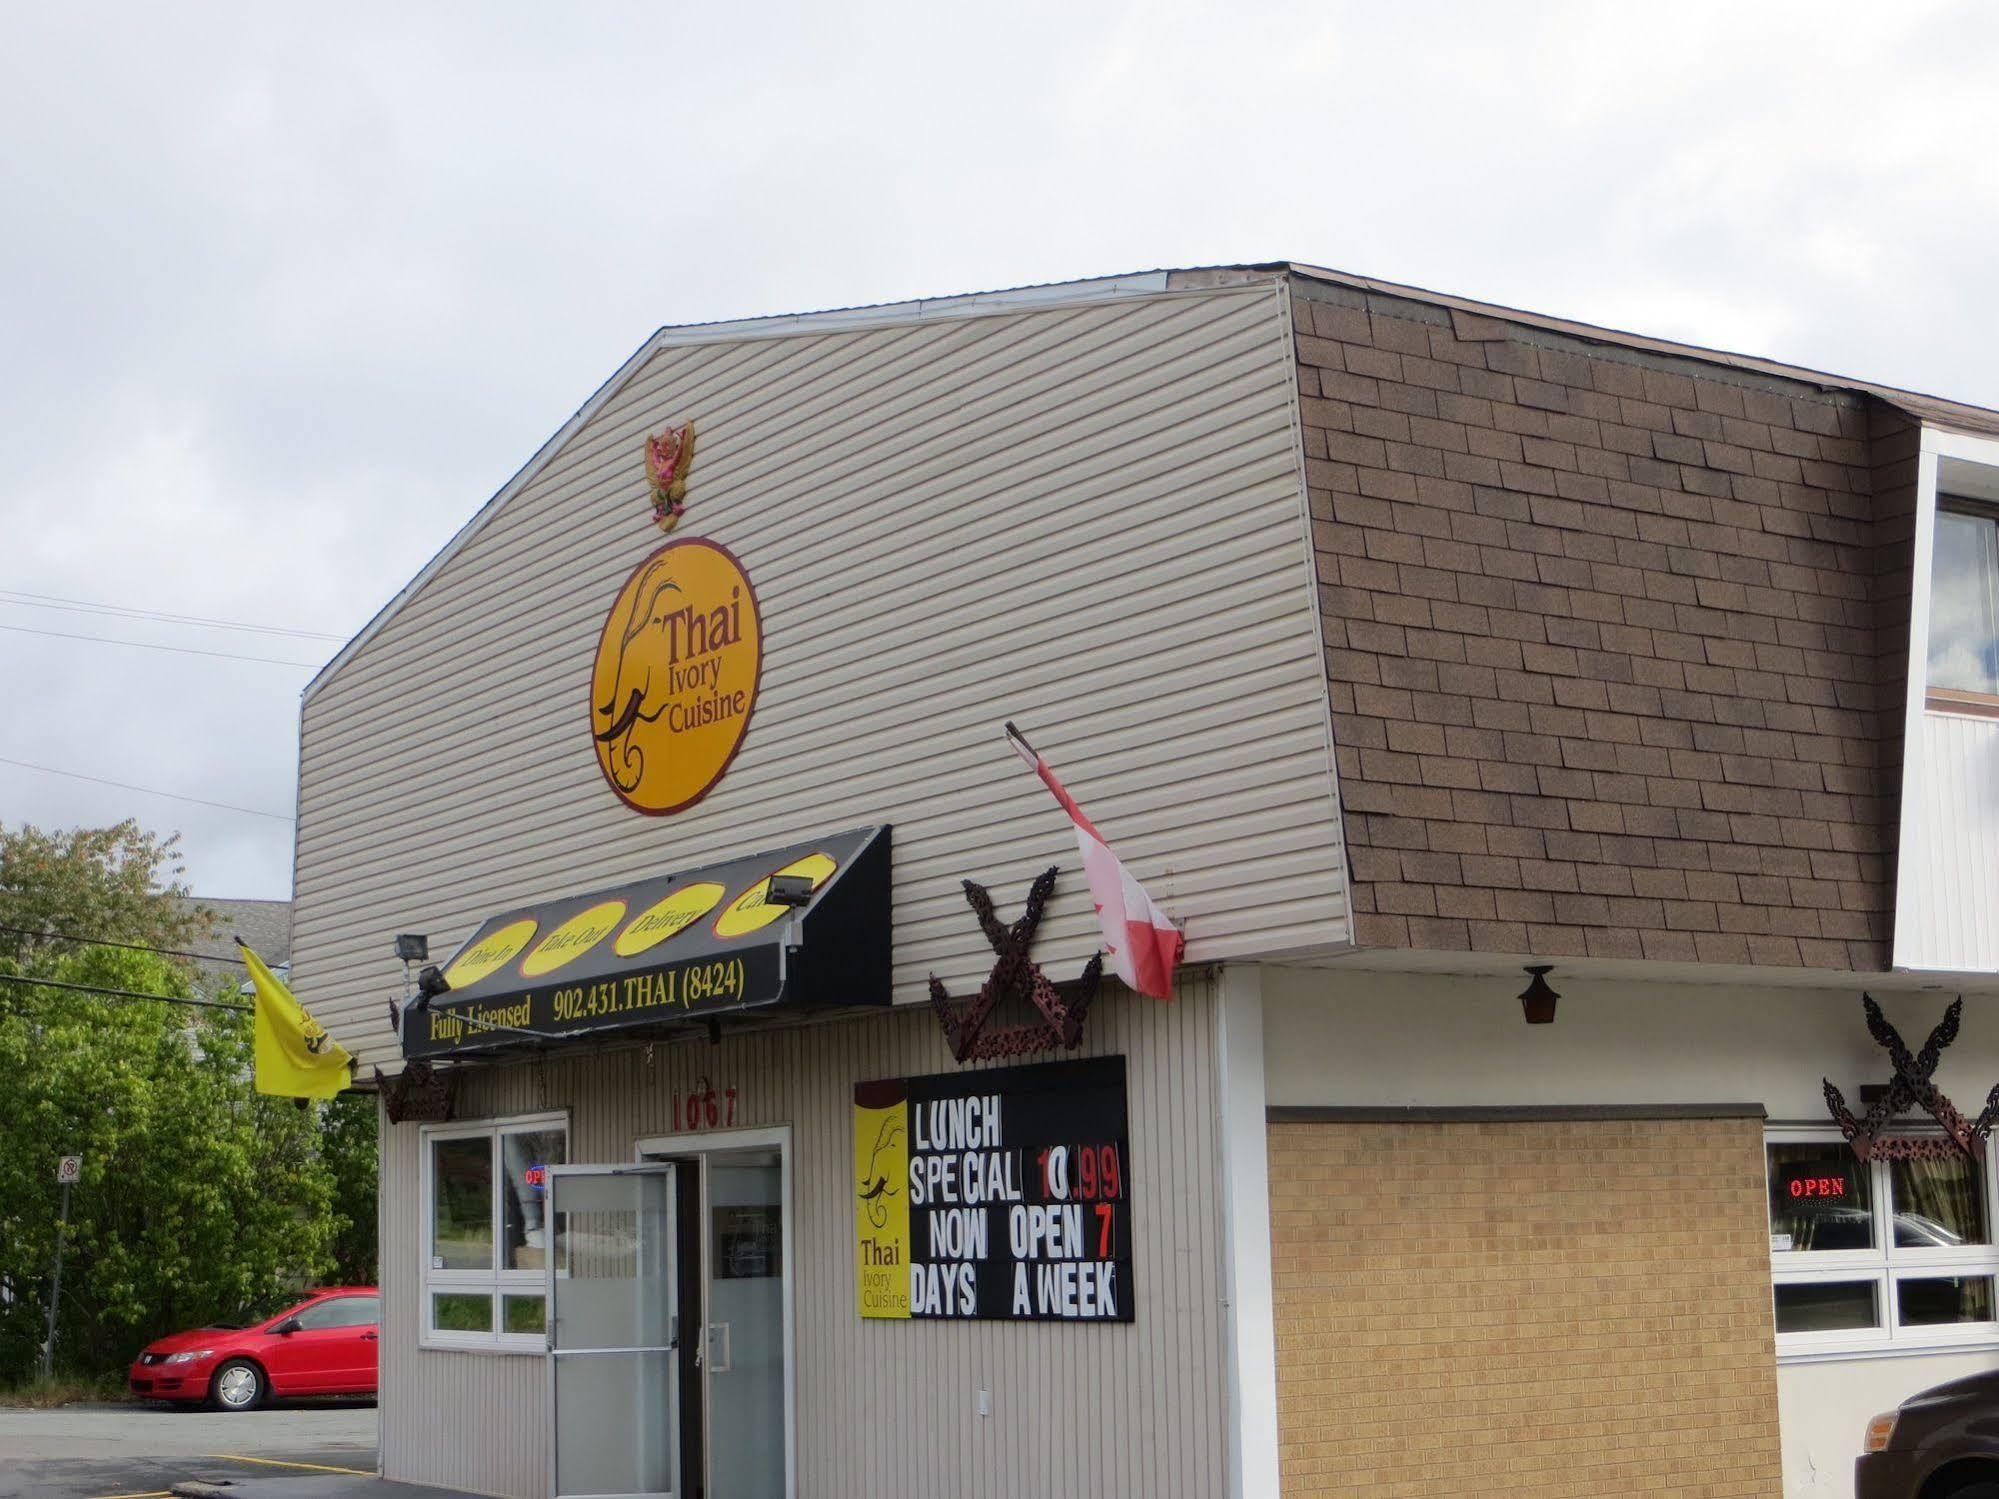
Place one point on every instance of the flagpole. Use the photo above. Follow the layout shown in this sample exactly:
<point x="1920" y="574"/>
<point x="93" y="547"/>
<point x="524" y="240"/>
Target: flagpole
<point x="1134" y="925"/>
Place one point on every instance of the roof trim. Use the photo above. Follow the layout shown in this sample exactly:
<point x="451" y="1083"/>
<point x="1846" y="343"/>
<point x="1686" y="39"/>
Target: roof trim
<point x="1937" y="410"/>
<point x="1142" y="283"/>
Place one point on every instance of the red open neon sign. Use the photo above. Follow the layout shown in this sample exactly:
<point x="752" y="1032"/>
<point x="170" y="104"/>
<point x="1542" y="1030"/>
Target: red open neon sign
<point x="1817" y="1182"/>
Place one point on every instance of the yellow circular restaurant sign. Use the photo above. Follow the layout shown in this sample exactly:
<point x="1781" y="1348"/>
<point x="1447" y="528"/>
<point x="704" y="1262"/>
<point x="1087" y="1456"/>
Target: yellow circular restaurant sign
<point x="669" y="918"/>
<point x="573" y="938"/>
<point x="497" y="949"/>
<point x="676" y="676"/>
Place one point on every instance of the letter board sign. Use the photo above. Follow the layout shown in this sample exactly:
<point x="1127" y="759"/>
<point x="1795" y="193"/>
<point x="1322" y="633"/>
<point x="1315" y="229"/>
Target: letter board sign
<point x="1001" y="1196"/>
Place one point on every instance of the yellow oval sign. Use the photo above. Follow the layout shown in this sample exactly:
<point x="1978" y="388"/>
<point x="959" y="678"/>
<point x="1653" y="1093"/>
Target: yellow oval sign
<point x="667" y="918"/>
<point x="750" y="910"/>
<point x="573" y="938"/>
<point x="493" y="952"/>
<point x="676" y="676"/>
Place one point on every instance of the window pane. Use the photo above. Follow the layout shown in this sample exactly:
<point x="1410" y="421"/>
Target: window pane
<point x="342" y="1311"/>
<point x="461" y="1311"/>
<point x="528" y="1154"/>
<point x="1964" y="582"/>
<point x="1820" y="1198"/>
<point x="1938" y="1204"/>
<point x="1828" y="1306"/>
<point x="1929" y="1302"/>
<point x="461" y="1224"/>
<point x="525" y="1313"/>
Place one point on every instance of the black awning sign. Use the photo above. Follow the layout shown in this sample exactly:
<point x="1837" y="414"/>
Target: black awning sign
<point x="702" y="942"/>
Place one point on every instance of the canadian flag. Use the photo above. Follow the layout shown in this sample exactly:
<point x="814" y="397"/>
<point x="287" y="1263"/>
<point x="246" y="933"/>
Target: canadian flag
<point x="1141" y="944"/>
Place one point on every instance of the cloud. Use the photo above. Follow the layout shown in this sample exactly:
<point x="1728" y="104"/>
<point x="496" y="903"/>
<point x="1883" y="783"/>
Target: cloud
<point x="289" y="294"/>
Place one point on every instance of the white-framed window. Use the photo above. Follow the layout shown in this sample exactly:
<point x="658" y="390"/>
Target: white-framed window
<point x="486" y="1236"/>
<point x="1963" y="665"/>
<point x="1880" y="1256"/>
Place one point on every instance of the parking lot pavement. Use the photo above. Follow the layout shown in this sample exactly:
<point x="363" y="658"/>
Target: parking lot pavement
<point x="99" y="1451"/>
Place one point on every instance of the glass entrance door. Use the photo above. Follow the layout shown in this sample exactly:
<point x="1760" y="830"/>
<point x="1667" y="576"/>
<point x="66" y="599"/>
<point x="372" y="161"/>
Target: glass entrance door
<point x="612" y="1332"/>
<point x="743" y="1354"/>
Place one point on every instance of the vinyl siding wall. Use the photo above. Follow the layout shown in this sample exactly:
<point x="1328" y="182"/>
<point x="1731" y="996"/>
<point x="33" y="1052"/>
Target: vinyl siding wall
<point x="1950" y="869"/>
<point x="1088" y="517"/>
<point x="882" y="1407"/>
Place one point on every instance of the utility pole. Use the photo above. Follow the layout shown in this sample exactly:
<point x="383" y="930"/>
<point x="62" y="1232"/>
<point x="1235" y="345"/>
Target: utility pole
<point x="68" y="1169"/>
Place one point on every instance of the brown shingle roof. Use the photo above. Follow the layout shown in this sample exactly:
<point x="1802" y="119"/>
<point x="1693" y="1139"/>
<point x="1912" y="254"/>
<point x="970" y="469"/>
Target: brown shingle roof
<point x="1615" y="636"/>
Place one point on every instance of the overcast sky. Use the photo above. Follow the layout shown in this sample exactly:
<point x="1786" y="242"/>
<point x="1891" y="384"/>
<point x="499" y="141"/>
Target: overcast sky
<point x="286" y="293"/>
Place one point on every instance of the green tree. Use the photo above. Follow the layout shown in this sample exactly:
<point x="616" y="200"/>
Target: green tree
<point x="347" y="1141"/>
<point x="118" y="882"/>
<point x="200" y="1200"/>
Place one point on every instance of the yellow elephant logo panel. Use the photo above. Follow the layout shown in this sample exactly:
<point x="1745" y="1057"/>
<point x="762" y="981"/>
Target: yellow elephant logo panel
<point x="676" y="676"/>
<point x="881" y="1199"/>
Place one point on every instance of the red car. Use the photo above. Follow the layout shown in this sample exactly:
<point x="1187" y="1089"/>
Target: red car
<point x="325" y="1345"/>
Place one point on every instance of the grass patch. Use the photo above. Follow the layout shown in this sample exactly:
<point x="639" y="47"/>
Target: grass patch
<point x="64" y="1389"/>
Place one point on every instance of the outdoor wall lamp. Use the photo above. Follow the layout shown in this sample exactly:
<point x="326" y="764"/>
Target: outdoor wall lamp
<point x="788" y="890"/>
<point x="411" y="947"/>
<point x="429" y="984"/>
<point x="1537" y="1000"/>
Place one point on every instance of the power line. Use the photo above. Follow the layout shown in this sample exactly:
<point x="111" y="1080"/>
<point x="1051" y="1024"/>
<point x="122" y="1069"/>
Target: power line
<point x="122" y="611"/>
<point x="171" y="952"/>
<point x="147" y="645"/>
<point x="165" y="999"/>
<point x="199" y="801"/>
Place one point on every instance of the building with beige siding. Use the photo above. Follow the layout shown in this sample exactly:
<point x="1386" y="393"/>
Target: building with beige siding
<point x="1396" y="643"/>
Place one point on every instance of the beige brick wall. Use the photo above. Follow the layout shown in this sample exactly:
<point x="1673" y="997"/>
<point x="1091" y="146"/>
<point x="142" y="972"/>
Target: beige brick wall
<point x="1546" y="1308"/>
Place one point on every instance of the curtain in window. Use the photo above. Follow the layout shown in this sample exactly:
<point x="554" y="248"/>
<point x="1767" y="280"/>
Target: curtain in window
<point x="1937" y="1204"/>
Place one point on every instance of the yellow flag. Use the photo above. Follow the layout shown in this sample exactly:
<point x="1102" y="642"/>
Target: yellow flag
<point x="295" y="1056"/>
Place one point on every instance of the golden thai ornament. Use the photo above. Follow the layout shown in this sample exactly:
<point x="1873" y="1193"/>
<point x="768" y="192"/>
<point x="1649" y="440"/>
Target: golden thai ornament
<point x="667" y="459"/>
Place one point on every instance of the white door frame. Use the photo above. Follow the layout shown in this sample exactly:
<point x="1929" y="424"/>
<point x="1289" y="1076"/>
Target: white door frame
<point x="556" y="1176"/>
<point x="701" y="1144"/>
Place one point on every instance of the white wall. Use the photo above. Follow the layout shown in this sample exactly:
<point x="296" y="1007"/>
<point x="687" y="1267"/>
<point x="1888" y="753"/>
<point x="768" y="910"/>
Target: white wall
<point x="1949" y="883"/>
<point x="1825" y="1407"/>
<point x="1341" y="1036"/>
<point x="1347" y="1037"/>
<point x="1949" y="836"/>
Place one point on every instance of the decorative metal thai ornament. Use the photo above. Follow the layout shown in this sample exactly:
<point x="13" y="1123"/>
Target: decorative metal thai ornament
<point x="1911" y="1085"/>
<point x="667" y="458"/>
<point x="419" y="1094"/>
<point x="1015" y="976"/>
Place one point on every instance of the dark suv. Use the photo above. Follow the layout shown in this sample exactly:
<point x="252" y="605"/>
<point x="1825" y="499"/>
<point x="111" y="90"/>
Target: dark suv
<point x="1940" y="1444"/>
